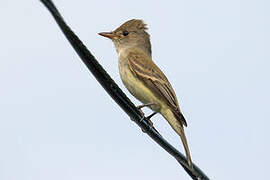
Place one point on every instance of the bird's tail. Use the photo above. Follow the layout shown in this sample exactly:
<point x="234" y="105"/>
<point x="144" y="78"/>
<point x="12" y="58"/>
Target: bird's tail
<point x="179" y="129"/>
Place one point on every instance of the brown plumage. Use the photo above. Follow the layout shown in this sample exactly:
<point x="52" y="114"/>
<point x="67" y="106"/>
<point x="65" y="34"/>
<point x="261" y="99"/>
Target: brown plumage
<point x="154" y="78"/>
<point x="143" y="78"/>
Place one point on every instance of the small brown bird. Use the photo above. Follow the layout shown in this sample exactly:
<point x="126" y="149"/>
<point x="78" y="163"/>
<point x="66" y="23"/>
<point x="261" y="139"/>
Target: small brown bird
<point x="143" y="78"/>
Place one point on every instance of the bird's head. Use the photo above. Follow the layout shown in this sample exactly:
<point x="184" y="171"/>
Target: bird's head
<point x="130" y="34"/>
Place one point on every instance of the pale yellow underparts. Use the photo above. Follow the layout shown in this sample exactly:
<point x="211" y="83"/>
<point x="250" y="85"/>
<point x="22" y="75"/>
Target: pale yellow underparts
<point x="134" y="85"/>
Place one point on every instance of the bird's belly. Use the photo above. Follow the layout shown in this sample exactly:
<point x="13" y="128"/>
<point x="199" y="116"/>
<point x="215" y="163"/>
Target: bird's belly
<point x="138" y="89"/>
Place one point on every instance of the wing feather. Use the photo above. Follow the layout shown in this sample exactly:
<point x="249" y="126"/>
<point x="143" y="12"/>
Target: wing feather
<point x="146" y="70"/>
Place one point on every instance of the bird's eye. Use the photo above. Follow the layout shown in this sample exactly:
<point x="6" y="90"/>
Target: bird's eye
<point x="125" y="33"/>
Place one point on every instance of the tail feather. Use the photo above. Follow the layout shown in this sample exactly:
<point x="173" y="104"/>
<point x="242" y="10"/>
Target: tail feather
<point x="177" y="125"/>
<point x="184" y="141"/>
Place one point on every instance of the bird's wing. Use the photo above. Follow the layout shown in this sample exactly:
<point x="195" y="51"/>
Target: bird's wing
<point x="146" y="70"/>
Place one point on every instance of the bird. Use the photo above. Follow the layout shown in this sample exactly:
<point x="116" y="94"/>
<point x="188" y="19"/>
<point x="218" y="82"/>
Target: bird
<point x="143" y="78"/>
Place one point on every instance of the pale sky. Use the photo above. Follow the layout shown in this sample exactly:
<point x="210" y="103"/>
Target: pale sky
<point x="56" y="121"/>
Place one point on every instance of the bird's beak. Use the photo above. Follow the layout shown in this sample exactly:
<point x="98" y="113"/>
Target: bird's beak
<point x="109" y="35"/>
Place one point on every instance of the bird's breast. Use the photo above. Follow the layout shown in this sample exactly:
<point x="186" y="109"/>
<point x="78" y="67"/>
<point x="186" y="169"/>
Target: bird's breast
<point x="136" y="86"/>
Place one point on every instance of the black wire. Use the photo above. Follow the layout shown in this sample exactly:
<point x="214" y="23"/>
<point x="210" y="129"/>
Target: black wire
<point x="116" y="93"/>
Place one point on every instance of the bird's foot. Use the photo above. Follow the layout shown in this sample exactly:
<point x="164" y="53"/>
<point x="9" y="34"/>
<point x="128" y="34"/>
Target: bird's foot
<point x="151" y="115"/>
<point x="148" y="118"/>
<point x="150" y="123"/>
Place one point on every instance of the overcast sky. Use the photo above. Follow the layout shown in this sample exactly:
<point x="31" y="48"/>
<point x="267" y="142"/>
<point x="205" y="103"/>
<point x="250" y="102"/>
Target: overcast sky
<point x="56" y="121"/>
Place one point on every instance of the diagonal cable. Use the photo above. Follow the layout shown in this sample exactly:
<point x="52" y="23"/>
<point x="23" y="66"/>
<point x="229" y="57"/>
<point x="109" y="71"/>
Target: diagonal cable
<point x="116" y="93"/>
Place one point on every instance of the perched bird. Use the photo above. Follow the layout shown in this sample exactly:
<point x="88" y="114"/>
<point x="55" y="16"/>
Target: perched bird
<point x="143" y="78"/>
